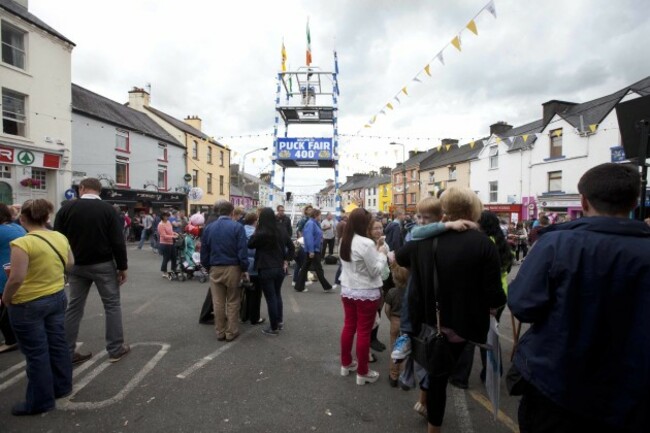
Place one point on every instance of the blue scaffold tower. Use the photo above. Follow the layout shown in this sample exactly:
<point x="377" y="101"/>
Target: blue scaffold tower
<point x="306" y="96"/>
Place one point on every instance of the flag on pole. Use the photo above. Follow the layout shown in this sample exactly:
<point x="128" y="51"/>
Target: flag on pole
<point x="308" y="44"/>
<point x="284" y="58"/>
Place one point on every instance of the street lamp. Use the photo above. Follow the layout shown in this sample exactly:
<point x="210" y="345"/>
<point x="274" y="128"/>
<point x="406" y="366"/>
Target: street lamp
<point x="392" y="143"/>
<point x="243" y="163"/>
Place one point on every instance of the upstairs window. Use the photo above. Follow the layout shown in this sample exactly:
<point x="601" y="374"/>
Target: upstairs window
<point x="221" y="158"/>
<point x="195" y="149"/>
<point x="122" y="140"/>
<point x="452" y="173"/>
<point x="494" y="157"/>
<point x="432" y="177"/>
<point x="209" y="183"/>
<point x="13" y="45"/>
<point x="162" y="152"/>
<point x="122" y="172"/>
<point x="494" y="192"/>
<point x="554" y="181"/>
<point x="195" y="178"/>
<point x="13" y="113"/>
<point x="209" y="154"/>
<point x="556" y="143"/>
<point x="40" y="174"/>
<point x="162" y="178"/>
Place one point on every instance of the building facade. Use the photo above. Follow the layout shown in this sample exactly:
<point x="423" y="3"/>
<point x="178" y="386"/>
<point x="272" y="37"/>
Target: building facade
<point x="35" y="139"/>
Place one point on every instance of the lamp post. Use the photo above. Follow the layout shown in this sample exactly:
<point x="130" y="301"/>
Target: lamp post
<point x="392" y="143"/>
<point x="243" y="166"/>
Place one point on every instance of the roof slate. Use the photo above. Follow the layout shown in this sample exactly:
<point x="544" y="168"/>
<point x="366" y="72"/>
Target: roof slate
<point x="89" y="103"/>
<point x="454" y="155"/>
<point x="23" y="13"/>
<point x="179" y="124"/>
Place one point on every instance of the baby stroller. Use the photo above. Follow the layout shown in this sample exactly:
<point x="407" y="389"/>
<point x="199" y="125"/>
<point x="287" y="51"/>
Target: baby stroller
<point x="179" y="249"/>
<point x="189" y="262"/>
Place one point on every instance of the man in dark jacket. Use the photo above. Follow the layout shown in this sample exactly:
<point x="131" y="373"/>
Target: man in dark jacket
<point x="393" y="232"/>
<point x="284" y="222"/>
<point x="585" y="288"/>
<point x="97" y="241"/>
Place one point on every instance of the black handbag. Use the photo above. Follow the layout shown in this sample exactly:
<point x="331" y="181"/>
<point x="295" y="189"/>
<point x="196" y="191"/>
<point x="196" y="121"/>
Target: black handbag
<point x="431" y="348"/>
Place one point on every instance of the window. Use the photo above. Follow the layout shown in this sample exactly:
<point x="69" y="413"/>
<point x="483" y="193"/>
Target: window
<point x="122" y="171"/>
<point x="554" y="181"/>
<point x="195" y="149"/>
<point x="162" y="152"/>
<point x="13" y="113"/>
<point x="494" y="192"/>
<point x="195" y="178"/>
<point x="385" y="190"/>
<point x="5" y="172"/>
<point x="432" y="177"/>
<point x="556" y="143"/>
<point x="122" y="140"/>
<point x="209" y="183"/>
<point x="13" y="45"/>
<point x="40" y="174"/>
<point x="162" y="177"/>
<point x="221" y="158"/>
<point x="209" y="154"/>
<point x="374" y="202"/>
<point x="221" y="184"/>
<point x="452" y="173"/>
<point x="412" y="198"/>
<point x="494" y="157"/>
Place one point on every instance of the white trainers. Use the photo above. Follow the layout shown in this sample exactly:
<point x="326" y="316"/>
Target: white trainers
<point x="371" y="377"/>
<point x="336" y="287"/>
<point x="345" y="371"/>
<point x="293" y="284"/>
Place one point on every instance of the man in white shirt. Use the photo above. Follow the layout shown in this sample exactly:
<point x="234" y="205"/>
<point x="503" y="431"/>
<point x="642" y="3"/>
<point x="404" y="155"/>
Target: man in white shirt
<point x="329" y="233"/>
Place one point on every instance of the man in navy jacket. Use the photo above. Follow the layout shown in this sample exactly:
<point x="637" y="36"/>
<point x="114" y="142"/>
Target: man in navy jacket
<point x="313" y="237"/>
<point x="585" y="288"/>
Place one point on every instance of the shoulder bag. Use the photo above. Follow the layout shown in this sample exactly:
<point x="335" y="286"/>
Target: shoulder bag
<point x="65" y="276"/>
<point x="431" y="348"/>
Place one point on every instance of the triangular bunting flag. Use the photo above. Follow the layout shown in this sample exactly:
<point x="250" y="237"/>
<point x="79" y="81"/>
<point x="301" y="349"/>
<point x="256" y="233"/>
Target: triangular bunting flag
<point x="525" y="137"/>
<point x="471" y="26"/>
<point x="397" y="99"/>
<point x="404" y="91"/>
<point x="593" y="127"/>
<point x="366" y="126"/>
<point x="383" y="112"/>
<point x="498" y="140"/>
<point x="374" y="118"/>
<point x="490" y="7"/>
<point x="557" y="132"/>
<point x="389" y="105"/>
<point x="456" y="42"/>
<point x="417" y="80"/>
<point x="447" y="147"/>
<point x="427" y="69"/>
<point x="439" y="147"/>
<point x="441" y="58"/>
<point x="471" y="144"/>
<point x="253" y="158"/>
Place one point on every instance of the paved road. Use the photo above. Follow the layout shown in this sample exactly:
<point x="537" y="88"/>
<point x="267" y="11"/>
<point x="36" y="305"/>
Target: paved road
<point x="179" y="378"/>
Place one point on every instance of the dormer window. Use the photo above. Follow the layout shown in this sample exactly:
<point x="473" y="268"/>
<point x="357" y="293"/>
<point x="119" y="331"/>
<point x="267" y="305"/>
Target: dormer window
<point x="494" y="157"/>
<point x="556" y="143"/>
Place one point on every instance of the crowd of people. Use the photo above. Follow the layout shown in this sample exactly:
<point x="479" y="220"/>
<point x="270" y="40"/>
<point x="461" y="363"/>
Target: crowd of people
<point x="583" y="288"/>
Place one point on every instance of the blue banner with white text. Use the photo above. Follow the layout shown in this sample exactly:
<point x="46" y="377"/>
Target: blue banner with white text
<point x="305" y="148"/>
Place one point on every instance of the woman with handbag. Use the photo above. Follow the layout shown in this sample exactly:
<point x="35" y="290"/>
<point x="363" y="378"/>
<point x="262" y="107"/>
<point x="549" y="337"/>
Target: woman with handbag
<point x="37" y="303"/>
<point x="167" y="236"/>
<point x="456" y="281"/>
<point x="362" y="263"/>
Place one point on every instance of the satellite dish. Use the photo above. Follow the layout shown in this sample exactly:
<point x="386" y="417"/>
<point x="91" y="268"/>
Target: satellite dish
<point x="195" y="194"/>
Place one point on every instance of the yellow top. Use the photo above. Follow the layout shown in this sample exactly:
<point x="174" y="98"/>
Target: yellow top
<point x="45" y="271"/>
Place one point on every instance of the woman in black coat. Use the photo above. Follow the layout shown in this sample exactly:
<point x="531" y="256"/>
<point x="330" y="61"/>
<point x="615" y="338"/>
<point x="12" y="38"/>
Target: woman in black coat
<point x="469" y="289"/>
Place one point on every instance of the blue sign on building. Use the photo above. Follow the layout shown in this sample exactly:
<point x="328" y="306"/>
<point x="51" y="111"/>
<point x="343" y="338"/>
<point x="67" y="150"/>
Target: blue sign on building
<point x="300" y="148"/>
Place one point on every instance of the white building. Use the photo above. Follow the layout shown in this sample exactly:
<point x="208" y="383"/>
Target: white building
<point x="35" y="140"/>
<point x="536" y="167"/>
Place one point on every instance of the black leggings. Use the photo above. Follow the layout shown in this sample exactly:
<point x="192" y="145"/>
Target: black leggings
<point x="437" y="392"/>
<point x="521" y="248"/>
<point x="168" y="254"/>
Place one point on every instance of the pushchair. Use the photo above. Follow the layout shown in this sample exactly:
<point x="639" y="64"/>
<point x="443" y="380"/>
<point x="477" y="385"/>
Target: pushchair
<point x="179" y="250"/>
<point x="189" y="261"/>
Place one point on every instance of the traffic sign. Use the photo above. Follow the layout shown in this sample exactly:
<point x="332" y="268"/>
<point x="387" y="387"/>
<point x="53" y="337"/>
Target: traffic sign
<point x="69" y="194"/>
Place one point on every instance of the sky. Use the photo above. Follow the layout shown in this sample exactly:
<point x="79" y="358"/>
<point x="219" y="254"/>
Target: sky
<point x="219" y="60"/>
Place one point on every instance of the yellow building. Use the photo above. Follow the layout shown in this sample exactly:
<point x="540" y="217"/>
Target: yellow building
<point x="207" y="161"/>
<point x="385" y="195"/>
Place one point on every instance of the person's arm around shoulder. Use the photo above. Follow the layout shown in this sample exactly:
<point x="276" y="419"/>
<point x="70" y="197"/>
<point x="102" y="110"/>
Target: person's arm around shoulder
<point x="529" y="294"/>
<point x="19" y="265"/>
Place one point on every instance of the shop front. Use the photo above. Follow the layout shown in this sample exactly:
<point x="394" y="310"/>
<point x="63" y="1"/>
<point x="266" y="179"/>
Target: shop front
<point x="560" y="208"/>
<point x="510" y="213"/>
<point x="135" y="201"/>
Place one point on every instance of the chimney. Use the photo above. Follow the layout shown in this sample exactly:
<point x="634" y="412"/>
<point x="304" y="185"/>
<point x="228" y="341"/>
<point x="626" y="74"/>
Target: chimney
<point x="385" y="171"/>
<point x="193" y="121"/>
<point x="23" y="3"/>
<point x="452" y="141"/>
<point x="139" y="98"/>
<point x="329" y="182"/>
<point x="234" y="169"/>
<point x="500" y="128"/>
<point x="553" y="107"/>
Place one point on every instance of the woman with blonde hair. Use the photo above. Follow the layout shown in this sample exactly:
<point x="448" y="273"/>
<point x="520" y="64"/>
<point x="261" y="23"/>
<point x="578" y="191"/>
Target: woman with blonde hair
<point x="469" y="287"/>
<point x="37" y="304"/>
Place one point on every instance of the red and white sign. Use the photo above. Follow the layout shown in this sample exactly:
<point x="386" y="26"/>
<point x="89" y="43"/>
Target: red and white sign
<point x="41" y="160"/>
<point x="6" y="155"/>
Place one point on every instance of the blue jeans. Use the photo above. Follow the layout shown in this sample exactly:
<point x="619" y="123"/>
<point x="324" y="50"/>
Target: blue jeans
<point x="104" y="275"/>
<point x="143" y="237"/>
<point x="270" y="281"/>
<point x="405" y="325"/>
<point x="38" y="326"/>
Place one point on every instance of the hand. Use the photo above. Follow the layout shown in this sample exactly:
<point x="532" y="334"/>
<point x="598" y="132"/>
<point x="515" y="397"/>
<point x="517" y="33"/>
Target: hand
<point x="382" y="249"/>
<point x="461" y="225"/>
<point x="381" y="241"/>
<point x="311" y="255"/>
<point x="285" y="266"/>
<point x="121" y="277"/>
<point x="245" y="276"/>
<point x="493" y="312"/>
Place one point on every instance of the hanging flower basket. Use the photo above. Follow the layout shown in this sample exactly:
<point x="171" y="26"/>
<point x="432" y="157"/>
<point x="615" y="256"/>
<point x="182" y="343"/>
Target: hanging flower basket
<point x="30" y="182"/>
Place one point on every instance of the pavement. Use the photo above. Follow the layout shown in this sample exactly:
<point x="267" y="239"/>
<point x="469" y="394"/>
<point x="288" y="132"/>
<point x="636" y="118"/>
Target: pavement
<point x="179" y="378"/>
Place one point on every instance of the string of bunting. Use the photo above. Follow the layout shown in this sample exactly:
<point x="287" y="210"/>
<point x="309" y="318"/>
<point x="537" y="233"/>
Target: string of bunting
<point x="456" y="42"/>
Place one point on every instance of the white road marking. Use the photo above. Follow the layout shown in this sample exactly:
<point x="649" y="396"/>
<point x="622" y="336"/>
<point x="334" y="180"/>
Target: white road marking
<point x="66" y="404"/>
<point x="10" y="370"/>
<point x="294" y="304"/>
<point x="460" y="409"/>
<point x="203" y="361"/>
<point x="502" y="417"/>
<point x="13" y="380"/>
<point x="142" y="307"/>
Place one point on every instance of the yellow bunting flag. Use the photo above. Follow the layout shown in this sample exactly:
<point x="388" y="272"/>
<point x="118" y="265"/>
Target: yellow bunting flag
<point x="456" y="43"/>
<point x="472" y="27"/>
<point x="404" y="91"/>
<point x="593" y="127"/>
<point x="253" y="158"/>
<point x="557" y="132"/>
<point x="374" y="118"/>
<point x="389" y="105"/>
<point x="439" y="147"/>
<point x="525" y="137"/>
<point x="427" y="69"/>
<point x="366" y="126"/>
<point x="471" y="144"/>
<point x="498" y="139"/>
<point x="447" y="147"/>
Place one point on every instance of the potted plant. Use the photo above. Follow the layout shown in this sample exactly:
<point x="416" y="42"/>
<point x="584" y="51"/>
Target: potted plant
<point x="30" y="182"/>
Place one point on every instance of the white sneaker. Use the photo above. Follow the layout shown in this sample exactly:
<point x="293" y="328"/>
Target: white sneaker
<point x="345" y="371"/>
<point x="308" y="283"/>
<point x="371" y="377"/>
<point x="293" y="284"/>
<point x="335" y="287"/>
